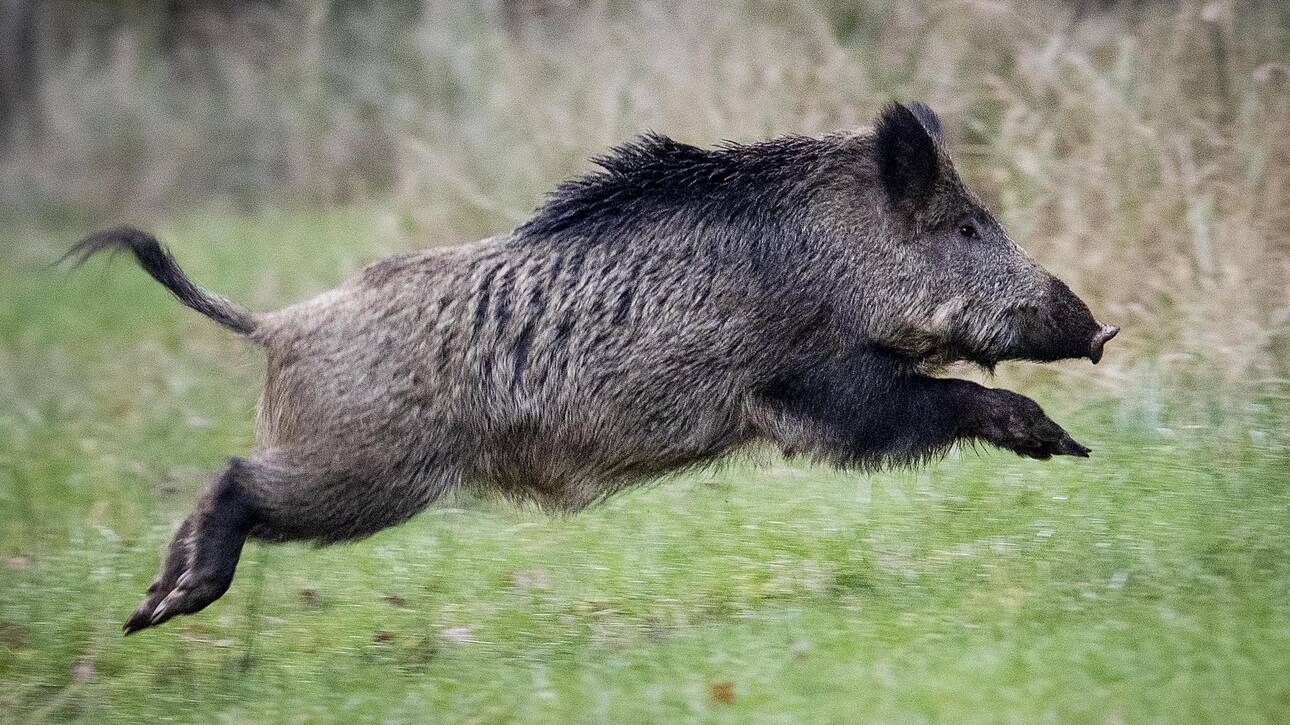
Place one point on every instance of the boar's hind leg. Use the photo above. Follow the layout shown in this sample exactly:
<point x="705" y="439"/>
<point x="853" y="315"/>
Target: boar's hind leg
<point x="310" y="495"/>
<point x="280" y="497"/>
<point x="203" y="554"/>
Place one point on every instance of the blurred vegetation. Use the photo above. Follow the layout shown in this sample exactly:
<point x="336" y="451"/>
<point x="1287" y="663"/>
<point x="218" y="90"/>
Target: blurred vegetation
<point x="1141" y="150"/>
<point x="1149" y="583"/>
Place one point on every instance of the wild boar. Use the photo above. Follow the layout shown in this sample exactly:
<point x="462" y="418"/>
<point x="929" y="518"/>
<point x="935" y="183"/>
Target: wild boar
<point x="670" y="308"/>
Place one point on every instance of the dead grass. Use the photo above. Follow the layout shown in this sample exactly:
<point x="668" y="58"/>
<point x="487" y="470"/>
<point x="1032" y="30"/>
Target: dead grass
<point x="1142" y="152"/>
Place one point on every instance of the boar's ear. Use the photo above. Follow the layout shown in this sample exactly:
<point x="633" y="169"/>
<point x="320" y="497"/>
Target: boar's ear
<point x="928" y="118"/>
<point x="908" y="164"/>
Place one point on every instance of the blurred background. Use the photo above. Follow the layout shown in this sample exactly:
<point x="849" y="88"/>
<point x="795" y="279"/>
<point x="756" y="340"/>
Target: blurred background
<point x="1139" y="149"/>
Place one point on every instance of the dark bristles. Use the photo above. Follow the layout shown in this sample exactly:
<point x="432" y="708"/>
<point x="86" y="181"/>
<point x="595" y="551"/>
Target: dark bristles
<point x="654" y="177"/>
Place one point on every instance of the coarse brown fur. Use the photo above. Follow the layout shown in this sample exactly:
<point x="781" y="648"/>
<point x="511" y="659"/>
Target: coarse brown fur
<point x="675" y="306"/>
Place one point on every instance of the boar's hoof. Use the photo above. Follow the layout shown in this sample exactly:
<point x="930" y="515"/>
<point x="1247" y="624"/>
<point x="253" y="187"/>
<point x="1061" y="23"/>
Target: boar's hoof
<point x="1043" y="447"/>
<point x="1018" y="424"/>
<point x="203" y="554"/>
<point x="190" y="592"/>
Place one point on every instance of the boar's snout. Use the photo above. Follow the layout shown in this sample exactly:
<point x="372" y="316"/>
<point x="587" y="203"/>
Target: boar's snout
<point x="1100" y="338"/>
<point x="1061" y="327"/>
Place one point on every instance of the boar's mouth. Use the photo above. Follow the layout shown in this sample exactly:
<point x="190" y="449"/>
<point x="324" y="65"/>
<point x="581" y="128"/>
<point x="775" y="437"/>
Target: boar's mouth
<point x="1047" y="346"/>
<point x="1062" y="331"/>
<point x="1048" y="340"/>
<point x="1059" y="327"/>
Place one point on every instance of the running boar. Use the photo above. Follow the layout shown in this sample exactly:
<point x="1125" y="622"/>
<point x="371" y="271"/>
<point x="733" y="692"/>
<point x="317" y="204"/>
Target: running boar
<point x="675" y="306"/>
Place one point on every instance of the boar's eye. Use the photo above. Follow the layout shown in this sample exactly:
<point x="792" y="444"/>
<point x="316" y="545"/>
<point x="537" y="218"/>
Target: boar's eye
<point x="968" y="231"/>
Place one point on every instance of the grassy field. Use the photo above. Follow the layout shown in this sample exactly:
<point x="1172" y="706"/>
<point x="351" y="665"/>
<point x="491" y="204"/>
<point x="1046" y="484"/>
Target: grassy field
<point x="1148" y="583"/>
<point x="1139" y="150"/>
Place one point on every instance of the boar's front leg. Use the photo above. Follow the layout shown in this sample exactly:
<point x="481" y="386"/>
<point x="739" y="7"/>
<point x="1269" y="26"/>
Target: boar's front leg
<point x="1015" y="422"/>
<point x="870" y="409"/>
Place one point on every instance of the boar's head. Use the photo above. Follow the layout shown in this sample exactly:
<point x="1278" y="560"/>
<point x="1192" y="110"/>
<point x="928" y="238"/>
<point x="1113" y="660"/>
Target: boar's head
<point x="931" y="273"/>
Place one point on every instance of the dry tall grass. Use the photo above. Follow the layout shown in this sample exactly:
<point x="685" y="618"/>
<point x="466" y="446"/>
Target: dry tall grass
<point x="1142" y="152"/>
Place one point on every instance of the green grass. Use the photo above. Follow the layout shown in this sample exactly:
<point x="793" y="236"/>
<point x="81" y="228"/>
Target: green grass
<point x="1148" y="583"/>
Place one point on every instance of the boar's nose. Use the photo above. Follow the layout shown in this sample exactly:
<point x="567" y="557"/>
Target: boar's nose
<point x="1106" y="332"/>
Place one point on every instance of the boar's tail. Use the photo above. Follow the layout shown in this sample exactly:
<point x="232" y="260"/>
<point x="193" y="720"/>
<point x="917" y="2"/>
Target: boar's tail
<point x="156" y="261"/>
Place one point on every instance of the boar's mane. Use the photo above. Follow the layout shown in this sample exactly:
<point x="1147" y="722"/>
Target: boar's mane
<point x="656" y="180"/>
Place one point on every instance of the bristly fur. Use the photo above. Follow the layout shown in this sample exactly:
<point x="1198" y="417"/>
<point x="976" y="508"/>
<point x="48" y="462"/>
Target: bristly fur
<point x="654" y="178"/>
<point x="671" y="309"/>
